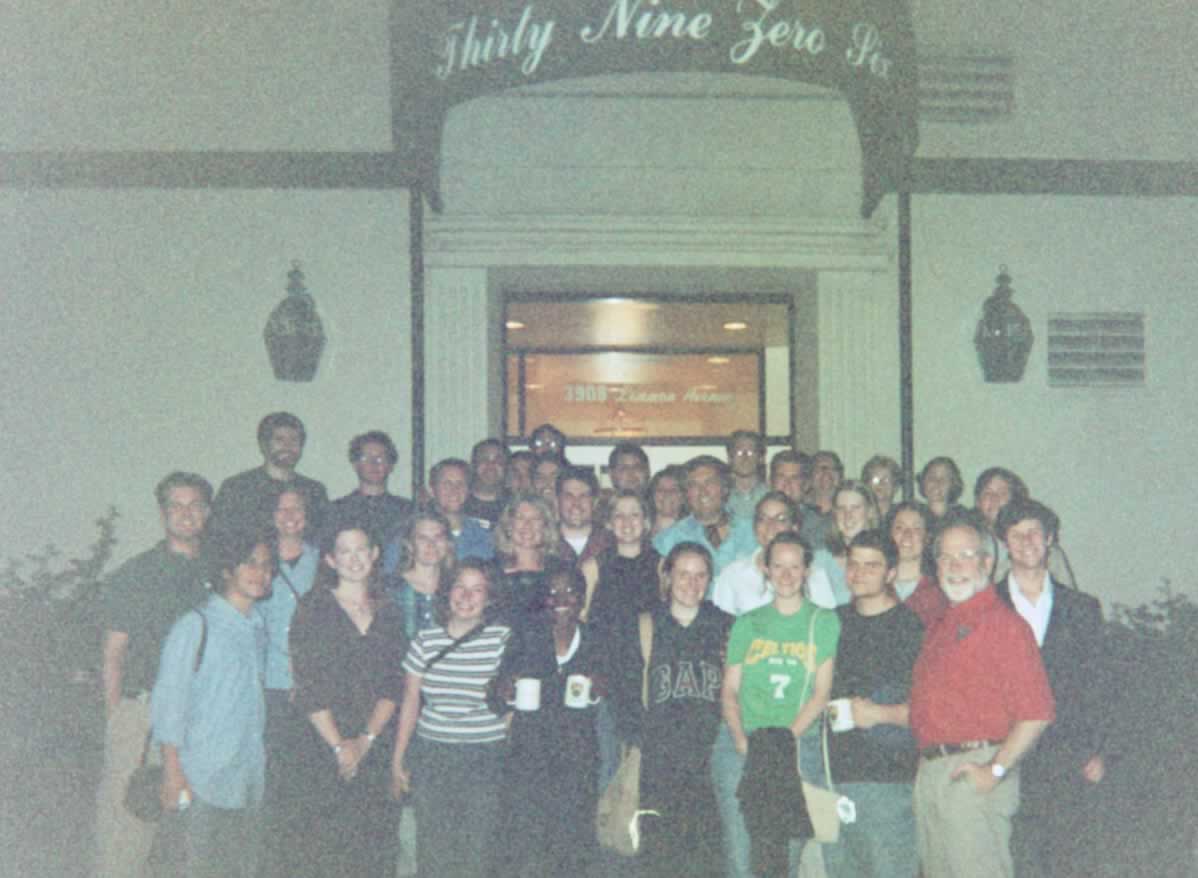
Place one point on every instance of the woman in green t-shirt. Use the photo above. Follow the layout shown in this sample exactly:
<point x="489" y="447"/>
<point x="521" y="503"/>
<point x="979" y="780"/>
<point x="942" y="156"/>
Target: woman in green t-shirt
<point x="778" y="674"/>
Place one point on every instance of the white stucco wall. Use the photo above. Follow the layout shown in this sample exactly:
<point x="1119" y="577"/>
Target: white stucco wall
<point x="131" y="344"/>
<point x="105" y="391"/>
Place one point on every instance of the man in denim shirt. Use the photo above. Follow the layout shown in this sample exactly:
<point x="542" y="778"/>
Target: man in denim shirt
<point x="208" y="714"/>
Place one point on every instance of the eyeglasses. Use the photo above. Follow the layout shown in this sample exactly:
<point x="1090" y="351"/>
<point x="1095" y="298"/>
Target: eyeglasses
<point x="960" y="557"/>
<point x="780" y="518"/>
<point x="377" y="460"/>
<point x="745" y="452"/>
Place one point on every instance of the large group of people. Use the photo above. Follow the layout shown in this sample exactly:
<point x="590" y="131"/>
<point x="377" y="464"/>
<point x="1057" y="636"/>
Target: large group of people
<point x="480" y="659"/>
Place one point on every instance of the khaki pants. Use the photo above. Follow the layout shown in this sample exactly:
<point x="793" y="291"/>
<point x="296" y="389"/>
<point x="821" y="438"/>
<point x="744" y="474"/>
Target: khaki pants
<point x="962" y="831"/>
<point x="122" y="841"/>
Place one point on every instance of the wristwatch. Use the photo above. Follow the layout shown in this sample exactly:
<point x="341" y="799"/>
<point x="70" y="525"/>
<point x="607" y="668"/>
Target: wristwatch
<point x="997" y="769"/>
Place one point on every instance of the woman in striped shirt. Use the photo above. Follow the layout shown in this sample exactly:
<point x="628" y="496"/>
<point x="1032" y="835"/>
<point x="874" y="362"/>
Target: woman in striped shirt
<point x="449" y="750"/>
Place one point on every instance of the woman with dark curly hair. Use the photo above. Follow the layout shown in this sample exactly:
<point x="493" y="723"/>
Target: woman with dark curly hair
<point x="449" y="745"/>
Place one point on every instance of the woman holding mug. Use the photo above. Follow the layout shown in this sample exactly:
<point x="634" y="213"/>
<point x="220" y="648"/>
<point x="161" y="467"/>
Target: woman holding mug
<point x="550" y="791"/>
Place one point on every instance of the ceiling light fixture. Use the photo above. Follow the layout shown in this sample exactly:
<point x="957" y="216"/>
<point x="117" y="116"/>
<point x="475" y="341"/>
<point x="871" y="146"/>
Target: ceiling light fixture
<point x="736" y="326"/>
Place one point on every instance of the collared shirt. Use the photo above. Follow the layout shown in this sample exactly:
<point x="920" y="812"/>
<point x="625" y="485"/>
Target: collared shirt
<point x="1035" y="614"/>
<point x="215" y="715"/>
<point x="744" y="503"/>
<point x="742" y="586"/>
<point x="474" y="540"/>
<point x="978" y="674"/>
<point x="741" y="540"/>
<point x="291" y="582"/>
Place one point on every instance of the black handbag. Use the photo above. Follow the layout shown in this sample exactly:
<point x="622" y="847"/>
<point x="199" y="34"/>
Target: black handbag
<point x="142" y="798"/>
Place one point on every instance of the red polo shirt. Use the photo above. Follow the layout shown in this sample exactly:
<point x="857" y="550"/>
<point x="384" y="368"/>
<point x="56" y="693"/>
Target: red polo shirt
<point x="978" y="674"/>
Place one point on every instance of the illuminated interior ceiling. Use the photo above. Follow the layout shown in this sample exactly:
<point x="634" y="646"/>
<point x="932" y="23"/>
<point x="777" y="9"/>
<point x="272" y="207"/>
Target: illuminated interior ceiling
<point x="627" y="322"/>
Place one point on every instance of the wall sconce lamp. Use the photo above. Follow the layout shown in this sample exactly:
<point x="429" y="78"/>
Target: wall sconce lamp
<point x="294" y="334"/>
<point x="1004" y="336"/>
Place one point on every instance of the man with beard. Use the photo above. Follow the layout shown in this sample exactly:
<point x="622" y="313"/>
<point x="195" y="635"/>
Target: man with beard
<point x="488" y="473"/>
<point x="246" y="501"/>
<point x="980" y="699"/>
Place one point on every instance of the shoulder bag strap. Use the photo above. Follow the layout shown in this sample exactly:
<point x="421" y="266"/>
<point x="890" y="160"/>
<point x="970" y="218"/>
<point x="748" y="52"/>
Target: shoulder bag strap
<point x="446" y="650"/>
<point x="282" y="571"/>
<point x="645" y="625"/>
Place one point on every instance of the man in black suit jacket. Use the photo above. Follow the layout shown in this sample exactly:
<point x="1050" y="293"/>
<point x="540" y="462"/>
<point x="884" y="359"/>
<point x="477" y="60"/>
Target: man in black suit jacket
<point x="1059" y="776"/>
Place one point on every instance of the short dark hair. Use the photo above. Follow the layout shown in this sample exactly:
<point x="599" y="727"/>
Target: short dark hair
<point x="180" y="479"/>
<point x="584" y="474"/>
<point x="644" y="502"/>
<point x="489" y="442"/>
<point x="378" y="437"/>
<point x="721" y="467"/>
<point x="434" y="475"/>
<point x="827" y="454"/>
<point x="970" y="519"/>
<point x="548" y="428"/>
<point x="227" y="548"/>
<point x="757" y="439"/>
<point x="1021" y="510"/>
<point x="791" y="538"/>
<point x="789" y="455"/>
<point x="876" y="538"/>
<point x="956" y="483"/>
<point x="1018" y="486"/>
<point x="625" y="449"/>
<point x="268" y="425"/>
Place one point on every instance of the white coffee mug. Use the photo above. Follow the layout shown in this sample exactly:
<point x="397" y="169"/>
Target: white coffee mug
<point x="528" y="694"/>
<point x="578" y="691"/>
<point x="840" y="715"/>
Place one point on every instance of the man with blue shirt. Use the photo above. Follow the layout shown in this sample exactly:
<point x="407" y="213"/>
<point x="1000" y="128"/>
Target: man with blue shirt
<point x="449" y="482"/>
<point x="710" y="524"/>
<point x="208" y="713"/>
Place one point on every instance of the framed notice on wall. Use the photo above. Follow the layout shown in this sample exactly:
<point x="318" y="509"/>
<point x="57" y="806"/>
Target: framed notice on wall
<point x="601" y="397"/>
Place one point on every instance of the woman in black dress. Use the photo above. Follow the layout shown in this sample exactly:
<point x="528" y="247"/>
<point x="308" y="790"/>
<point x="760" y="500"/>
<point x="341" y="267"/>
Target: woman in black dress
<point x="347" y="647"/>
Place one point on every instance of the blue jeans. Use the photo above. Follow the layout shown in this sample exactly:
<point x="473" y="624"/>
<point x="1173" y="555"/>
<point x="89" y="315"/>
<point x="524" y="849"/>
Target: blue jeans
<point x="727" y="766"/>
<point x="881" y="842"/>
